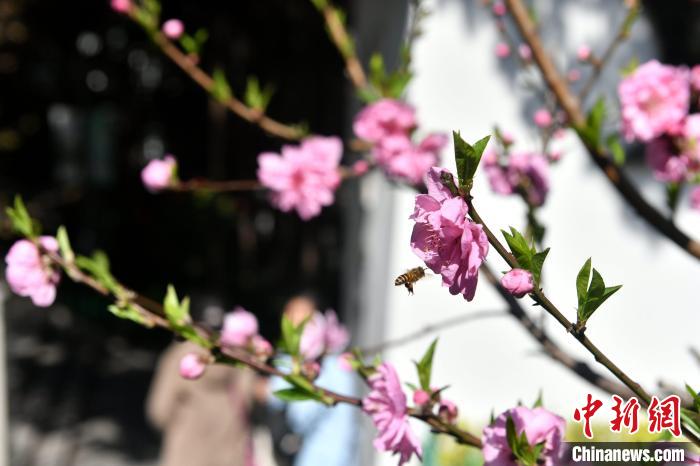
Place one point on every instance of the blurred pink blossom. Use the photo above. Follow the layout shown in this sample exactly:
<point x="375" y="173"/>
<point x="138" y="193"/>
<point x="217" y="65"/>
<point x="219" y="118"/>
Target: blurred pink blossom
<point x="518" y="282"/>
<point x="695" y="78"/>
<point x="261" y="347"/>
<point x="173" y="28"/>
<point x="663" y="160"/>
<point x="337" y="335"/>
<point x="121" y="6"/>
<point x="525" y="52"/>
<point x="573" y="75"/>
<point x="239" y="327"/>
<point x="529" y="171"/>
<point x="539" y="426"/>
<point x="360" y="167"/>
<point x="654" y="100"/>
<point x="303" y="177"/>
<point x="448" y="411"/>
<point x="499" y="9"/>
<point x="695" y="198"/>
<point x="28" y="275"/>
<point x="192" y="366"/>
<point x="502" y="50"/>
<point x="542" y="118"/>
<point x="420" y="397"/>
<point x="401" y="158"/>
<point x="345" y="361"/>
<point x="583" y="53"/>
<point x="323" y="334"/>
<point x="443" y="237"/>
<point x="160" y="174"/>
<point x="384" y="118"/>
<point x="386" y="404"/>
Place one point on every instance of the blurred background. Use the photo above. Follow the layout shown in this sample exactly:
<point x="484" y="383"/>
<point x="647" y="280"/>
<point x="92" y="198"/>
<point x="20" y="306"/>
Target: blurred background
<point x="87" y="100"/>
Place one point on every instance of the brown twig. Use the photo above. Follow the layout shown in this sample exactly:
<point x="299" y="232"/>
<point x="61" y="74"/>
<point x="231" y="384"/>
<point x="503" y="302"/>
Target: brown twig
<point x="598" y="64"/>
<point x="548" y="306"/>
<point x="570" y="104"/>
<point x="340" y="37"/>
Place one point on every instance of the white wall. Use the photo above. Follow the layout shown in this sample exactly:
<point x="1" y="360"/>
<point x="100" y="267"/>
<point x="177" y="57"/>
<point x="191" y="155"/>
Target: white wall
<point x="491" y="364"/>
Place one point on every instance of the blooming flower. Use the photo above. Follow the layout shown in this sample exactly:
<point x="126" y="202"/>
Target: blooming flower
<point x="400" y="158"/>
<point x="666" y="165"/>
<point x="386" y="404"/>
<point x="583" y="53"/>
<point x="323" y="334"/>
<point x="518" y="282"/>
<point x="173" y="28"/>
<point x="160" y="174"/>
<point x="121" y="6"/>
<point x="303" y="177"/>
<point x="539" y="426"/>
<point x="502" y="50"/>
<point x="384" y="118"/>
<point x="28" y="275"/>
<point x="239" y="327"/>
<point x="192" y="366"/>
<point x="654" y="100"/>
<point x="531" y="173"/>
<point x="542" y="118"/>
<point x="443" y="237"/>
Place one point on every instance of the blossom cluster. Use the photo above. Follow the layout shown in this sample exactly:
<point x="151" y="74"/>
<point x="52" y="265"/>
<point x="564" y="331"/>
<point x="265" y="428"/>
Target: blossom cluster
<point x="388" y="125"/>
<point x="517" y="172"/>
<point x="657" y="104"/>
<point x="28" y="274"/>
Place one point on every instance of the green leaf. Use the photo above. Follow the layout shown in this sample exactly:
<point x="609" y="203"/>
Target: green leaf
<point x="294" y="394"/>
<point x="22" y="223"/>
<point x="178" y="313"/>
<point x="512" y="436"/>
<point x="537" y="264"/>
<point x="467" y="157"/>
<point x="220" y="90"/>
<point x="695" y="396"/>
<point x="673" y="191"/>
<point x="98" y="267"/>
<point x="377" y="70"/>
<point x="582" y="282"/>
<point x="64" y="244"/>
<point x="368" y="94"/>
<point x="630" y="67"/>
<point x="539" y="402"/>
<point x="591" y="132"/>
<point x="128" y="312"/>
<point x="425" y="367"/>
<point x="691" y="419"/>
<point x="257" y="97"/>
<point x="527" y="256"/>
<point x="291" y="335"/>
<point x="616" y="149"/>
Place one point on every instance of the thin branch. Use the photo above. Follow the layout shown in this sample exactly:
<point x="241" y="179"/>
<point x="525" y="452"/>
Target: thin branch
<point x="335" y="26"/>
<point x="551" y="349"/>
<point x="428" y="329"/>
<point x="570" y="104"/>
<point x="548" y="306"/>
<point x="154" y="314"/>
<point x="599" y="63"/>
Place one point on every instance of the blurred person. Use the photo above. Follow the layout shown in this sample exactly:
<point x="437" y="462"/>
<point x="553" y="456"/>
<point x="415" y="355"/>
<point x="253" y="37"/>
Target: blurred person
<point x="205" y="422"/>
<point x="327" y="436"/>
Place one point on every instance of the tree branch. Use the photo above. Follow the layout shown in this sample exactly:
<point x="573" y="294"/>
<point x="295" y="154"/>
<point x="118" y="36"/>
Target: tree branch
<point x="570" y="105"/>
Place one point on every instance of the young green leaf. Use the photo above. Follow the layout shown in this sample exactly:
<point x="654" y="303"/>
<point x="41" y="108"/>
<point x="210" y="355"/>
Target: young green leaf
<point x="291" y="335"/>
<point x="22" y="223"/>
<point x="467" y="157"/>
<point x="98" y="267"/>
<point x="220" y="90"/>
<point x="127" y="311"/>
<point x="64" y="245"/>
<point x="257" y="97"/>
<point x="616" y="150"/>
<point x="178" y="313"/>
<point x="695" y="396"/>
<point x="582" y="282"/>
<point x="591" y="295"/>
<point x="425" y="367"/>
<point x="592" y="130"/>
<point x="294" y="394"/>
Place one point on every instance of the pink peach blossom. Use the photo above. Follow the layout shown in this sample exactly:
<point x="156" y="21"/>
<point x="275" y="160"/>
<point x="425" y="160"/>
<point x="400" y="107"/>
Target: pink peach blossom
<point x="28" y="275"/>
<point x="420" y="397"/>
<point x="121" y="6"/>
<point x="303" y="178"/>
<point x="539" y="426"/>
<point x="542" y="118"/>
<point x="239" y="327"/>
<point x="499" y="9"/>
<point x="192" y="366"/>
<point x="337" y="336"/>
<point x="695" y="78"/>
<point x="665" y="163"/>
<point x="261" y="347"/>
<point x="160" y="174"/>
<point x="323" y="334"/>
<point x="525" y="52"/>
<point x="384" y="118"/>
<point x="443" y="237"/>
<point x="583" y="53"/>
<point x="173" y="28"/>
<point x="518" y="282"/>
<point x="401" y="159"/>
<point x="345" y="361"/>
<point x="654" y="100"/>
<point x="448" y="411"/>
<point x="530" y="172"/>
<point x="502" y="50"/>
<point x="386" y="404"/>
<point x="360" y="167"/>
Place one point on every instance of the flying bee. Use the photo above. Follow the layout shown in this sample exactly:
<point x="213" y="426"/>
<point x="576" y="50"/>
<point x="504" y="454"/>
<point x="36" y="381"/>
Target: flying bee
<point x="410" y="277"/>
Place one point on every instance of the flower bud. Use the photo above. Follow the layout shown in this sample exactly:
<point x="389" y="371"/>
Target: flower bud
<point x="525" y="52"/>
<point x="121" y="6"/>
<point x="502" y="50"/>
<point x="518" y="282"/>
<point x="360" y="167"/>
<point x="311" y="369"/>
<point x="160" y="174"/>
<point x="192" y="366"/>
<point x="447" y="411"/>
<point x="261" y="347"/>
<point x="498" y="8"/>
<point x="542" y="118"/>
<point x="173" y="28"/>
<point x="583" y="53"/>
<point x="420" y="397"/>
<point x="239" y="327"/>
